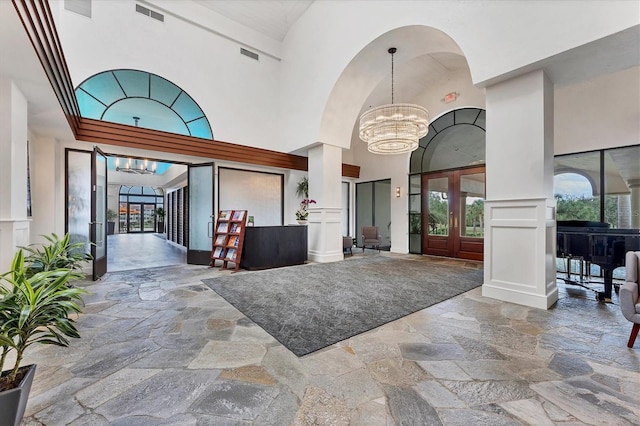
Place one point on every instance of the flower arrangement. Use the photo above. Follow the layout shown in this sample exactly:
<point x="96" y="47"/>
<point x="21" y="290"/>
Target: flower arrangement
<point x="303" y="213"/>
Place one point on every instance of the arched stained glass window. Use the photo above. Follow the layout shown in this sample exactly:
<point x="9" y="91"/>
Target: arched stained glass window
<point x="119" y="96"/>
<point x="456" y="139"/>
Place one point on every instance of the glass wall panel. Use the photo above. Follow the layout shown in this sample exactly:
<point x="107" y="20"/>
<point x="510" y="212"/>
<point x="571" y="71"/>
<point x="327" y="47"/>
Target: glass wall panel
<point x="415" y="214"/>
<point x="261" y="194"/>
<point x="345" y="209"/>
<point x="622" y="187"/>
<point x="79" y="196"/>
<point x="364" y="207"/>
<point x="382" y="211"/>
<point x="200" y="207"/>
<point x="577" y="186"/>
<point x="373" y="208"/>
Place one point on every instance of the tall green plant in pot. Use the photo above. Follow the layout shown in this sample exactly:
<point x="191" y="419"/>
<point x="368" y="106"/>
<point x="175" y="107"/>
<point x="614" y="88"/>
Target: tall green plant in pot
<point x="302" y="187"/>
<point x="59" y="253"/>
<point x="34" y="308"/>
<point x="160" y="213"/>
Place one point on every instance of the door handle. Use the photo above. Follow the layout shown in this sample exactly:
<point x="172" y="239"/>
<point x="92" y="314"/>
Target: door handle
<point x="210" y="229"/>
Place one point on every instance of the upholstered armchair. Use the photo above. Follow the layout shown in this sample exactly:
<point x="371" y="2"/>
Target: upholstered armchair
<point x="347" y="245"/>
<point x="370" y="237"/>
<point x="629" y="299"/>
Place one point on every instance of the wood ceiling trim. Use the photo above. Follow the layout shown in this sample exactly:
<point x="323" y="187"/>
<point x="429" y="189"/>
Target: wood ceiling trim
<point x="37" y="20"/>
<point x="134" y="137"/>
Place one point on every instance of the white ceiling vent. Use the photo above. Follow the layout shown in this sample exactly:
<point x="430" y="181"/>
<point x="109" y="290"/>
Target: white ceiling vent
<point x="81" y="7"/>
<point x="249" y="54"/>
<point x="148" y="12"/>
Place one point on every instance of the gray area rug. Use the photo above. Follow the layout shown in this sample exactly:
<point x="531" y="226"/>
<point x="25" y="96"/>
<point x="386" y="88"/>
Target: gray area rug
<point x="309" y="307"/>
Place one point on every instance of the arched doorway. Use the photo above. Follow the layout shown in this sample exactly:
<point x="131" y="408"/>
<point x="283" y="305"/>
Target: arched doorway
<point x="447" y="182"/>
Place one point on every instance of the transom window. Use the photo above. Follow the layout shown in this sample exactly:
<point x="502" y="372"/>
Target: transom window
<point x="455" y="140"/>
<point x="142" y="99"/>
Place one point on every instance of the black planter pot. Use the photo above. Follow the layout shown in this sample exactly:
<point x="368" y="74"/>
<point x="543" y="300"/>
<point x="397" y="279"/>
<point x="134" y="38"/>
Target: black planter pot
<point x="14" y="401"/>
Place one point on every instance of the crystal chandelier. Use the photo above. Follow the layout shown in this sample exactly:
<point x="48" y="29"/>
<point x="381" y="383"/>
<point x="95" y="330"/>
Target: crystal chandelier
<point x="138" y="167"/>
<point x="394" y="128"/>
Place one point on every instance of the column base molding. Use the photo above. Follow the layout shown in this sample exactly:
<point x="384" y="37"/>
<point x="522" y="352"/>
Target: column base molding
<point x="520" y="252"/>
<point x="522" y="297"/>
<point x="13" y="234"/>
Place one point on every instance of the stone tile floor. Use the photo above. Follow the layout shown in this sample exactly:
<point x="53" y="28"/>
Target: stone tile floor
<point x="160" y="348"/>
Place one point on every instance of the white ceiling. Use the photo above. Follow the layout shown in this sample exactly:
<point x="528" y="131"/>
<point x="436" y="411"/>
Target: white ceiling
<point x="272" y="18"/>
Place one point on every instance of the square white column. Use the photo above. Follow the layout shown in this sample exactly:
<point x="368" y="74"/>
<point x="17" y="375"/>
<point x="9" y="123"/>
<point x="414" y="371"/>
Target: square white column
<point x="520" y="241"/>
<point x="325" y="218"/>
<point x="14" y="224"/>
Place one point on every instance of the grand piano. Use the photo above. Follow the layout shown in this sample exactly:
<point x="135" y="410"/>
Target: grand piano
<point x="597" y="243"/>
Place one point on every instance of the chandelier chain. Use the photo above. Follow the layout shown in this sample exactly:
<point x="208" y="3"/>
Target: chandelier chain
<point x="392" y="76"/>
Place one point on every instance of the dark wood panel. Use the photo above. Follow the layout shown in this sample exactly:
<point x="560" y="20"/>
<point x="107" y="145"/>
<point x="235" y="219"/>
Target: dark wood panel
<point x="349" y="170"/>
<point x="274" y="246"/>
<point x="472" y="249"/>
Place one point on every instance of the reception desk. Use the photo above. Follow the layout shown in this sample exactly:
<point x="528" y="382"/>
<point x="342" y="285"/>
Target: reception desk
<point x="273" y="246"/>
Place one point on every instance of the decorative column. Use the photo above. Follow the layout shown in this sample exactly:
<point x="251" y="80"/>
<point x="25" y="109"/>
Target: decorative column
<point x="14" y="224"/>
<point x="325" y="177"/>
<point x="520" y="240"/>
<point x="634" y="186"/>
<point x="624" y="211"/>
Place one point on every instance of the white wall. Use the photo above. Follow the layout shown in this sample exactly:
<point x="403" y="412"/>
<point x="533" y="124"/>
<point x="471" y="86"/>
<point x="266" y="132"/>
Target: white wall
<point x="286" y="100"/>
<point x="496" y="37"/>
<point x="600" y="113"/>
<point x="236" y="93"/>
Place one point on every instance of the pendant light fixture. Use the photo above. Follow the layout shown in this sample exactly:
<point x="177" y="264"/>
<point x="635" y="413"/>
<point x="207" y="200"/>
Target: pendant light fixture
<point x="394" y="128"/>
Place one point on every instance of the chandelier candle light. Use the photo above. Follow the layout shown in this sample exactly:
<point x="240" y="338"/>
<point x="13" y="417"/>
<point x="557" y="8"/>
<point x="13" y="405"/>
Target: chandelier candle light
<point x="394" y="128"/>
<point x="138" y="167"/>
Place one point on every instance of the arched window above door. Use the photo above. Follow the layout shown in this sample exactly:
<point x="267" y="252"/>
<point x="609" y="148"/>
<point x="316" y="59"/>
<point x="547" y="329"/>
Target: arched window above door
<point x="143" y="99"/>
<point x="455" y="140"/>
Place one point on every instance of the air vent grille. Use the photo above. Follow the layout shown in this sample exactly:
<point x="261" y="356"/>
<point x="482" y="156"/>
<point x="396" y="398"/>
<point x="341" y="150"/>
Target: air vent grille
<point x="81" y="7"/>
<point x="249" y="54"/>
<point x="150" y="13"/>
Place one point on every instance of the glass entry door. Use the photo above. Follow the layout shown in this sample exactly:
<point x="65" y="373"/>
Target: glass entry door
<point x="201" y="214"/>
<point x="140" y="217"/>
<point x="453" y="213"/>
<point x="98" y="224"/>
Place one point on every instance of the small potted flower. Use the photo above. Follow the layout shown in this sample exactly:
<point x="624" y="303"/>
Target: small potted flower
<point x="302" y="214"/>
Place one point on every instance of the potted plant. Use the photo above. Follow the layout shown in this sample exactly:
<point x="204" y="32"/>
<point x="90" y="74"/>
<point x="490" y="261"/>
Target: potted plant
<point x="58" y="254"/>
<point x="159" y="212"/>
<point x="34" y="308"/>
<point x="302" y="214"/>
<point x="111" y="221"/>
<point x="302" y="189"/>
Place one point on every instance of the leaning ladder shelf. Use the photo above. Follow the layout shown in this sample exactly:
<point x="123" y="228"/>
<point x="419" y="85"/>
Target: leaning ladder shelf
<point x="228" y="238"/>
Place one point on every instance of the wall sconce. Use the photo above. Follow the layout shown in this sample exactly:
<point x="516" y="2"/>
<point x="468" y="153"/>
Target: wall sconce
<point x="397" y="192"/>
